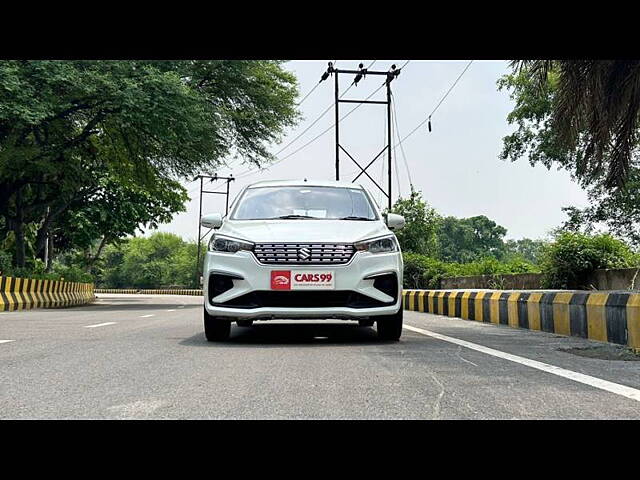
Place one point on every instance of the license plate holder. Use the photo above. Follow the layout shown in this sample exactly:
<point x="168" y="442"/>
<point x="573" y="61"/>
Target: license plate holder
<point x="315" y="279"/>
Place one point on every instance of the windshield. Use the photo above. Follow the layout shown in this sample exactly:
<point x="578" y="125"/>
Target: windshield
<point x="302" y="202"/>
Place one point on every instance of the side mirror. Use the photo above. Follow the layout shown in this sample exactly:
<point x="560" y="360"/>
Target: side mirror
<point x="394" y="221"/>
<point x="212" y="220"/>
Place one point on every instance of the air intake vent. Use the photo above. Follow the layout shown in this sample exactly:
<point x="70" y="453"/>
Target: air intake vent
<point x="304" y="253"/>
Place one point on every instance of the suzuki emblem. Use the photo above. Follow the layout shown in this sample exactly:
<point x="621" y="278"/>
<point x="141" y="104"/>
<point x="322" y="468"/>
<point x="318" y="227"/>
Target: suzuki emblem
<point x="304" y="253"/>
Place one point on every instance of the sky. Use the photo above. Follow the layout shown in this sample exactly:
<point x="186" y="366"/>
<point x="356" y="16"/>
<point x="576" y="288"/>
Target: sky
<point x="456" y="166"/>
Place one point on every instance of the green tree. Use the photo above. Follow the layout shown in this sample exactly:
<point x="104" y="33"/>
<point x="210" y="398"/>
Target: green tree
<point x="469" y="239"/>
<point x="594" y="114"/>
<point x="538" y="138"/>
<point x="419" y="233"/>
<point x="69" y="127"/>
<point x="525" y="248"/>
<point x="114" y="211"/>
<point x="159" y="261"/>
<point x="618" y="210"/>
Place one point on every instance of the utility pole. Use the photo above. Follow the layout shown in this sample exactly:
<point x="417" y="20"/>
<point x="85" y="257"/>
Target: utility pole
<point x="337" y="100"/>
<point x="211" y="178"/>
<point x="359" y="75"/>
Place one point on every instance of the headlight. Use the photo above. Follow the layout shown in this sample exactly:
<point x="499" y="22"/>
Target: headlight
<point x="220" y="243"/>
<point x="378" y="245"/>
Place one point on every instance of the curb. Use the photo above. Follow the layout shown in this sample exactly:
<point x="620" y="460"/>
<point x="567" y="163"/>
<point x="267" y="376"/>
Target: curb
<point x="26" y="293"/>
<point x="612" y="317"/>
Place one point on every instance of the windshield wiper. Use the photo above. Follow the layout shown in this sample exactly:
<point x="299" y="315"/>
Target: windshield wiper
<point x="292" y="217"/>
<point x="353" y="217"/>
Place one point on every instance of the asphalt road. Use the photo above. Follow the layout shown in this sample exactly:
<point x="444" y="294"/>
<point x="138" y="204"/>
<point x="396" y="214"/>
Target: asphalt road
<point x="145" y="357"/>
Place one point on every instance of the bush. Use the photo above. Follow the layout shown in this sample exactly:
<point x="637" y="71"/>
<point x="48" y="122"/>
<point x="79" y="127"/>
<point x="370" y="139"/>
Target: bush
<point x="70" y="273"/>
<point x="36" y="269"/>
<point x="425" y="272"/>
<point x="421" y="271"/>
<point x="5" y="262"/>
<point x="568" y="262"/>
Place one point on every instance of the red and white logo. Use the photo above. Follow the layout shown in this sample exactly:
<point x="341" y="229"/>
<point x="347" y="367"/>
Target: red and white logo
<point x="281" y="280"/>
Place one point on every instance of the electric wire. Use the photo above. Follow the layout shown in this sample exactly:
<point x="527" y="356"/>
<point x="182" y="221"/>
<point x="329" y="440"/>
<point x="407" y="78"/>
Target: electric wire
<point x="307" y="95"/>
<point x="333" y="124"/>
<point x="251" y="172"/>
<point x="397" y="132"/>
<point x="381" y="197"/>
<point x="326" y="110"/>
<point x="438" y="105"/>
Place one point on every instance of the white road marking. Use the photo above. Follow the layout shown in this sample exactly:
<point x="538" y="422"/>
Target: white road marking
<point x="100" y="325"/>
<point x="623" y="390"/>
<point x="172" y="310"/>
<point x="181" y="306"/>
<point x="6" y="341"/>
<point x="145" y="316"/>
<point x="136" y="409"/>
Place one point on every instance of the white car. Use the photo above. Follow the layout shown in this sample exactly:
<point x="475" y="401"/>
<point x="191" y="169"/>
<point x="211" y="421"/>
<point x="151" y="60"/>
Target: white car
<point x="303" y="250"/>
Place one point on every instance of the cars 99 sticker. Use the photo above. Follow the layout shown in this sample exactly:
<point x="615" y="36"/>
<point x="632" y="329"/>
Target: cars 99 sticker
<point x="302" y="280"/>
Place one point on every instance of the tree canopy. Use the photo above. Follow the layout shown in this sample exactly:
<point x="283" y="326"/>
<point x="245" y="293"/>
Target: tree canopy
<point x="161" y="260"/>
<point x="539" y="137"/>
<point x="468" y="239"/>
<point x="592" y="114"/>
<point x="422" y="222"/>
<point x="91" y="149"/>
<point x="453" y="239"/>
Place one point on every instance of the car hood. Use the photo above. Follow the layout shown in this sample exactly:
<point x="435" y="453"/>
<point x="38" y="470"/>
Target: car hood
<point x="303" y="231"/>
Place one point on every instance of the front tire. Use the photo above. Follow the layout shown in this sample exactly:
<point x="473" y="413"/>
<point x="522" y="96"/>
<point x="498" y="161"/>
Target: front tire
<point x="216" y="329"/>
<point x="390" y="326"/>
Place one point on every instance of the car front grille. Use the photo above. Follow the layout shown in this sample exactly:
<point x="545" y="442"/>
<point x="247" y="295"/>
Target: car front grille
<point x="304" y="253"/>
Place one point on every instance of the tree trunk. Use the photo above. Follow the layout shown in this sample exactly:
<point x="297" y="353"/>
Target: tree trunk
<point x="92" y="260"/>
<point x="50" y="251"/>
<point x="46" y="252"/>
<point x="18" y="228"/>
<point x="44" y="230"/>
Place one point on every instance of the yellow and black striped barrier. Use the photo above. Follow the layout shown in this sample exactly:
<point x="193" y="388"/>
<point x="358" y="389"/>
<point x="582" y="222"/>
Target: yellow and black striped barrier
<point x="149" y="291"/>
<point x="22" y="293"/>
<point x="607" y="317"/>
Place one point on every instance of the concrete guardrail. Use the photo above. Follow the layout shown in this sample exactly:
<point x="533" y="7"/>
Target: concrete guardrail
<point x="603" y="316"/>
<point x="22" y="293"/>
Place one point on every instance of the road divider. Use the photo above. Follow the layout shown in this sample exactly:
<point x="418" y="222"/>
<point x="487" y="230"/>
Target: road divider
<point x="24" y="293"/>
<point x="147" y="291"/>
<point x="603" y="316"/>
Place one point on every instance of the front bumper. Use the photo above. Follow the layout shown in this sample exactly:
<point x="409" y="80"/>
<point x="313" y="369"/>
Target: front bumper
<point x="354" y="295"/>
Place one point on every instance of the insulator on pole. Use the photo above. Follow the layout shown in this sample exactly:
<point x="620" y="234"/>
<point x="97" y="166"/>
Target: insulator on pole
<point x="326" y="74"/>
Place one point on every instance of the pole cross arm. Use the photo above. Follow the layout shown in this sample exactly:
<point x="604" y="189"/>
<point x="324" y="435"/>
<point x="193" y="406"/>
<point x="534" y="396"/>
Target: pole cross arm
<point x="211" y="178"/>
<point x="360" y="75"/>
<point x="363" y="169"/>
<point x="370" y="163"/>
